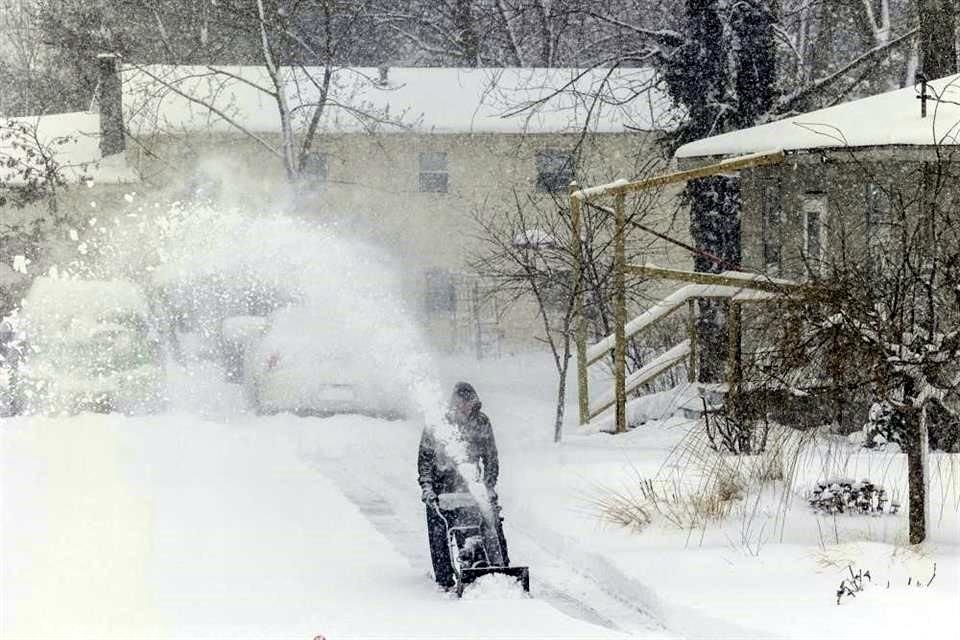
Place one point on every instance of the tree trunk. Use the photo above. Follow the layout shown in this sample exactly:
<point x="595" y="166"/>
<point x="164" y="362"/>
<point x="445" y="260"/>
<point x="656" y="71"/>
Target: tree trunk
<point x="561" y="394"/>
<point x="715" y="227"/>
<point x="466" y="32"/>
<point x="938" y="49"/>
<point x="915" y="440"/>
<point x="915" y="482"/>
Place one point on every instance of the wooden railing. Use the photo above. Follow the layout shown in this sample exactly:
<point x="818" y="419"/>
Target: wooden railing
<point x="735" y="286"/>
<point x="619" y="190"/>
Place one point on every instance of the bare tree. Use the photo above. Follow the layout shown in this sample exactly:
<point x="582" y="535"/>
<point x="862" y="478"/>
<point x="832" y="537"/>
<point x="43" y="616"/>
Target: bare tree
<point x="528" y="257"/>
<point x="32" y="175"/>
<point x="301" y="48"/>
<point x="938" y="37"/>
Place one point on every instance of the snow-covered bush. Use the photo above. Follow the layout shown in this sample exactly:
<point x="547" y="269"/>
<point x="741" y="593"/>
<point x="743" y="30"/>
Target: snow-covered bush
<point x="848" y="496"/>
<point x="884" y="429"/>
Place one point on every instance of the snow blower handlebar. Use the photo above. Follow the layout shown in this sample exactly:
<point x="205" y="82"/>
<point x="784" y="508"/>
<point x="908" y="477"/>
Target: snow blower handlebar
<point x="479" y="534"/>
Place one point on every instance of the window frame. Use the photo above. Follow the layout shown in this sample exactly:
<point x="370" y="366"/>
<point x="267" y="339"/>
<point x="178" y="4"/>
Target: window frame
<point x="556" y="180"/>
<point x="439" y="171"/>
<point x="815" y="202"/>
<point x="440" y="291"/>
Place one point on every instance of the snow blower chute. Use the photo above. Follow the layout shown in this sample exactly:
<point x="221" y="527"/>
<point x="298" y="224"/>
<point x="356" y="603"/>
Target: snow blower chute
<point x="473" y="542"/>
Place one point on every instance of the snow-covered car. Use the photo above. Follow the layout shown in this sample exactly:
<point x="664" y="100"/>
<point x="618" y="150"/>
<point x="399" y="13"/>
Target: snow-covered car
<point x="193" y="312"/>
<point x="90" y="347"/>
<point x="305" y="365"/>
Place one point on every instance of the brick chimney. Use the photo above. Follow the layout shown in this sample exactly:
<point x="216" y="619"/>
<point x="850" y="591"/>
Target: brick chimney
<point x="111" y="104"/>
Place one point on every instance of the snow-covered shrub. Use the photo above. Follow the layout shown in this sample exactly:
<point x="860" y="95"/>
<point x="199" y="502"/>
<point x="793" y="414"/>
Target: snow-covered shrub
<point x="884" y="429"/>
<point x="848" y="496"/>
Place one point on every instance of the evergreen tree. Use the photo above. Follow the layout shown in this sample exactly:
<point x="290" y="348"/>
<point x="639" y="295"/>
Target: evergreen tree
<point x="724" y="76"/>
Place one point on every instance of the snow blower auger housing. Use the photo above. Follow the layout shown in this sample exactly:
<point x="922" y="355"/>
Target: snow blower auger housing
<point x="473" y="542"/>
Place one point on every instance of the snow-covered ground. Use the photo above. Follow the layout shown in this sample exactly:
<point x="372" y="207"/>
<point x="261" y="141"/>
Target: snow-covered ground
<point x="210" y="522"/>
<point x="179" y="527"/>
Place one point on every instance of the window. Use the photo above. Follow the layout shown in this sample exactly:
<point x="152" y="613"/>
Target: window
<point x="814" y="229"/>
<point x="771" y="228"/>
<point x="314" y="170"/>
<point x="441" y="292"/>
<point x="433" y="172"/>
<point x="554" y="170"/>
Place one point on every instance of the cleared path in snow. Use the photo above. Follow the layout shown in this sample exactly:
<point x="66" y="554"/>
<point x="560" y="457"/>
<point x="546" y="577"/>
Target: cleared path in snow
<point x="373" y="463"/>
<point x="176" y="527"/>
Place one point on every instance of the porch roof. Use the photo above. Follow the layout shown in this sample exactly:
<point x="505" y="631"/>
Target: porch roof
<point x="888" y="119"/>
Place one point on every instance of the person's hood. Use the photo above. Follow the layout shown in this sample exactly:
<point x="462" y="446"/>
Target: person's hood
<point x="463" y="391"/>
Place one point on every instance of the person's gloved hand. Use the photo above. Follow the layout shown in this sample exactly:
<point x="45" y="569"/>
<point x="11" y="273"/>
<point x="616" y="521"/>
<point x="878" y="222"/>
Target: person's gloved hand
<point x="428" y="496"/>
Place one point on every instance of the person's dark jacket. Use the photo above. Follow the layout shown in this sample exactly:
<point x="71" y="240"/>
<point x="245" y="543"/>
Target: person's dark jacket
<point x="439" y="473"/>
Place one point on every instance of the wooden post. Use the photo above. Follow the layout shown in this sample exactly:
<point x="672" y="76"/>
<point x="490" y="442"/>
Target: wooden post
<point x="733" y="346"/>
<point x="580" y="321"/>
<point x="620" y="314"/>
<point x="692" y="335"/>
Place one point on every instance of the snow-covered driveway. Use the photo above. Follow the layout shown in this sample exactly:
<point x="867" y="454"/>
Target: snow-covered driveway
<point x="179" y="527"/>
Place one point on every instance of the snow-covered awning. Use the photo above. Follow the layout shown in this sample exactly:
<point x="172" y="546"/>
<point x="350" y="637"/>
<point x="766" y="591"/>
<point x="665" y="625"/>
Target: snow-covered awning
<point x="69" y="141"/>
<point x="889" y="119"/>
<point x="178" y="99"/>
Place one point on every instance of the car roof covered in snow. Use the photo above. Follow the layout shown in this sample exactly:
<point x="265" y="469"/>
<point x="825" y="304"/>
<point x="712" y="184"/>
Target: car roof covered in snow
<point x="71" y="140"/>
<point x="61" y="297"/>
<point x="888" y="119"/>
<point x="177" y="99"/>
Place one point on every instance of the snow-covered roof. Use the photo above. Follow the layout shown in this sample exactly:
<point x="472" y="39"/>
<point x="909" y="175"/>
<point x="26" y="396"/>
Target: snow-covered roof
<point x="892" y="118"/>
<point x="175" y="99"/>
<point x="70" y="140"/>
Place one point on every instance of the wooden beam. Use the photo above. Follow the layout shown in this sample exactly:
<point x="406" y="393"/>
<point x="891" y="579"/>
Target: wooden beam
<point x="621" y="187"/>
<point x="692" y="337"/>
<point x="738" y="279"/>
<point x="665" y="307"/>
<point x="620" y="314"/>
<point x="662" y="363"/>
<point x="733" y="345"/>
<point x="580" y="320"/>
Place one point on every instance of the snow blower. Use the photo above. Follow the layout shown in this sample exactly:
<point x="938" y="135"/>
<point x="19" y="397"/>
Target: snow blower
<point x="473" y="542"/>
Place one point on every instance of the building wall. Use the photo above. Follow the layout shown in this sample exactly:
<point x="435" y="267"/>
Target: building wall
<point x="856" y="191"/>
<point x="372" y="191"/>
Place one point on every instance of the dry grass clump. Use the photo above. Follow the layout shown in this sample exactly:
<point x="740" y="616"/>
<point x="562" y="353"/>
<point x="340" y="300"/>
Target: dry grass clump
<point x="698" y="486"/>
<point x="636" y="505"/>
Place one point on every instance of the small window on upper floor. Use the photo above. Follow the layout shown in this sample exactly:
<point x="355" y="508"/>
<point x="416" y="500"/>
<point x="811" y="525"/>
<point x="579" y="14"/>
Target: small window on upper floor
<point x="433" y="172"/>
<point x="314" y="170"/>
<point x="554" y="170"/>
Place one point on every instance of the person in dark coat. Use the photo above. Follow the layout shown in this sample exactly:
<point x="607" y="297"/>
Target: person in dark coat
<point x="439" y="474"/>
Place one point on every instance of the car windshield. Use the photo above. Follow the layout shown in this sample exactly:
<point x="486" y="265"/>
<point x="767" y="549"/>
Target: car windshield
<point x="117" y="343"/>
